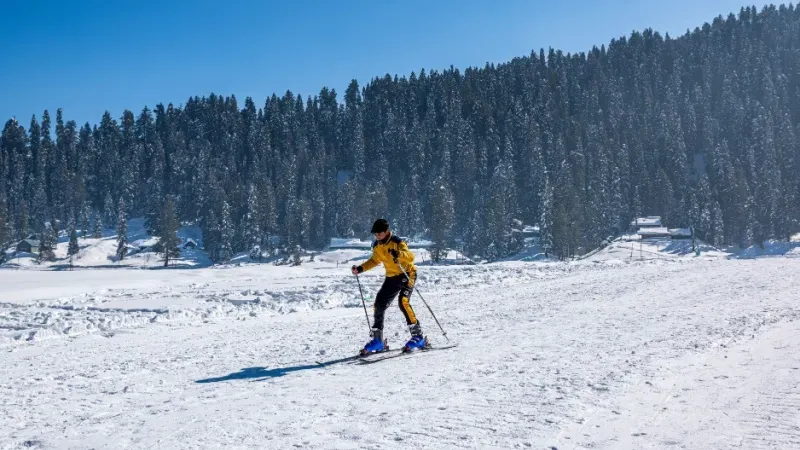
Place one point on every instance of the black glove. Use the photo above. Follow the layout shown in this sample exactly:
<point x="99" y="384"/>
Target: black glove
<point x="394" y="254"/>
<point x="356" y="269"/>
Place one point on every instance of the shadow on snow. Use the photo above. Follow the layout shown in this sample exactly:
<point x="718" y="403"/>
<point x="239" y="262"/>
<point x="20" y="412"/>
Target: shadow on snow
<point x="263" y="373"/>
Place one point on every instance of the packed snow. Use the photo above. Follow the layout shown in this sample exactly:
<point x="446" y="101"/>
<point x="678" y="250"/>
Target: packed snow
<point x="611" y="351"/>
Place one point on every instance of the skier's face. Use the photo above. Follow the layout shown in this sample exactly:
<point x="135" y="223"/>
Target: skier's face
<point x="381" y="236"/>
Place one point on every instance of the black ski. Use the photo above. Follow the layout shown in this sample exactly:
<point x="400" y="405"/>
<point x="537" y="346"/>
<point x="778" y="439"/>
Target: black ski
<point x="354" y="358"/>
<point x="397" y="355"/>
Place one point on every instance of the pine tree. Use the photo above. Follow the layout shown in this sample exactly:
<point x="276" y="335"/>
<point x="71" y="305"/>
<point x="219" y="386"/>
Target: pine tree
<point x="251" y="222"/>
<point x="475" y="241"/>
<point x="122" y="230"/>
<point x="546" y="218"/>
<point x="665" y="200"/>
<point x="85" y="219"/>
<point x="23" y="225"/>
<point x="225" y="252"/>
<point x="5" y="234"/>
<point x="109" y="215"/>
<point x="47" y="243"/>
<point x="717" y="234"/>
<point x="501" y="209"/>
<point x="98" y="225"/>
<point x="751" y="230"/>
<point x="269" y="216"/>
<point x="345" y="206"/>
<point x="442" y="215"/>
<point x="211" y="235"/>
<point x="169" y="225"/>
<point x="73" y="248"/>
<point x="296" y="255"/>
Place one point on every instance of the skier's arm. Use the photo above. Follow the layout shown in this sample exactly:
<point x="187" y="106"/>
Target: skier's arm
<point x="404" y="256"/>
<point x="368" y="264"/>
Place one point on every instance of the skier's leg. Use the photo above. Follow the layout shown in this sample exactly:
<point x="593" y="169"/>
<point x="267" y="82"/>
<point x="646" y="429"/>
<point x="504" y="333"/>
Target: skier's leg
<point x="389" y="289"/>
<point x="404" y="301"/>
<point x="387" y="292"/>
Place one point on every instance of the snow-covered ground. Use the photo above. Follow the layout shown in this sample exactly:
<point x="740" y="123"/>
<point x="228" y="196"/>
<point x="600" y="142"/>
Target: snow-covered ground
<point x="601" y="353"/>
<point x="631" y="248"/>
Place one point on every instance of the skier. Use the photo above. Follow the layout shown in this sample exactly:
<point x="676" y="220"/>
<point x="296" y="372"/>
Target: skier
<point x="392" y="252"/>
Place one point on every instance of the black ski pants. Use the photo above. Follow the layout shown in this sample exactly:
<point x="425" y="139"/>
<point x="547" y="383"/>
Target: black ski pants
<point x="391" y="287"/>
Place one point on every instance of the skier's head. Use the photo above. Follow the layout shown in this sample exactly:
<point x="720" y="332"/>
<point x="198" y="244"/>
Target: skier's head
<point x="379" y="228"/>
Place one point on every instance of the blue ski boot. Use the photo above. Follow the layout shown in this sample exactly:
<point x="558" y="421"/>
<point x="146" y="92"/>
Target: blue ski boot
<point x="377" y="344"/>
<point x="417" y="341"/>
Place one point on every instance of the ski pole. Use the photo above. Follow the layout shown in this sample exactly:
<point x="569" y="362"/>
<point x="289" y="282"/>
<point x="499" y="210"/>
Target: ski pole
<point x="364" y="303"/>
<point x="423" y="301"/>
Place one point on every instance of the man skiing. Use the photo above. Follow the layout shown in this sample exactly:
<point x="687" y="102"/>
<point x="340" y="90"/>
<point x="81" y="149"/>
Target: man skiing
<point x="393" y="252"/>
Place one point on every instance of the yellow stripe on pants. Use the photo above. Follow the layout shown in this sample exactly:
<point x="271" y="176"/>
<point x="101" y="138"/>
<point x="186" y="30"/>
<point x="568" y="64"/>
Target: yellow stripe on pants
<point x="407" y="308"/>
<point x="405" y="302"/>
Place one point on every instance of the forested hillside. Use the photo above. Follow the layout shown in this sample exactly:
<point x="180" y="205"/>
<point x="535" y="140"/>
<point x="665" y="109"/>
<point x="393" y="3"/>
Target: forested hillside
<point x="701" y="129"/>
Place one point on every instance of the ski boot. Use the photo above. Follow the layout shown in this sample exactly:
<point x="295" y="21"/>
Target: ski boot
<point x="417" y="341"/>
<point x="376" y="345"/>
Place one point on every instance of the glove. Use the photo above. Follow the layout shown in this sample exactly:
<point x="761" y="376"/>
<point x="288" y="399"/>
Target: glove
<point x="394" y="254"/>
<point x="356" y="270"/>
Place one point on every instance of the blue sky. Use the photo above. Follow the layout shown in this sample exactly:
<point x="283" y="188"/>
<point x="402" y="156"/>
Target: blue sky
<point x="91" y="56"/>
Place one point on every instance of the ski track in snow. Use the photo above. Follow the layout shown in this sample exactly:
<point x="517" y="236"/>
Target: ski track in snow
<point x="654" y="354"/>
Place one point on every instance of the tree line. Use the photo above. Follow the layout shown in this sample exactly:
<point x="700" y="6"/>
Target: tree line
<point x="701" y="129"/>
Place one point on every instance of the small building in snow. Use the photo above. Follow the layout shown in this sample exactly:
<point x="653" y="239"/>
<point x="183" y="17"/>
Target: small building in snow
<point x="653" y="232"/>
<point x="646" y="222"/>
<point x="531" y="231"/>
<point x="680" y="233"/>
<point x="349" y="244"/>
<point x="28" y="246"/>
<point x="190" y="243"/>
<point x="358" y="244"/>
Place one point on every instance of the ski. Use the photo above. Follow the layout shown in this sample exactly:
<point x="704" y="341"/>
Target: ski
<point x="397" y="355"/>
<point x="358" y="357"/>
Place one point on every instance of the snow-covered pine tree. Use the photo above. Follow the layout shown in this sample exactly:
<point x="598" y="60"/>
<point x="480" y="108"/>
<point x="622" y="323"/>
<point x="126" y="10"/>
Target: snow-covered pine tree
<point x="296" y="256"/>
<point x="502" y="211"/>
<point x="109" y="215"/>
<point x="269" y="216"/>
<point x="211" y="235"/>
<point x="85" y="219"/>
<point x="122" y="230"/>
<point x="717" y="233"/>
<point x="226" y="234"/>
<point x="5" y="235"/>
<point x="24" y="221"/>
<point x="169" y="225"/>
<point x="251" y="222"/>
<point x="546" y="217"/>
<point x="47" y="243"/>
<point x="442" y="216"/>
<point x="345" y="209"/>
<point x="73" y="248"/>
<point x="751" y="228"/>
<point x="97" y="231"/>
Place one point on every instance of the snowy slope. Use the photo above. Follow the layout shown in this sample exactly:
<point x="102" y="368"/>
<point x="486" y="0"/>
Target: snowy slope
<point x="690" y="353"/>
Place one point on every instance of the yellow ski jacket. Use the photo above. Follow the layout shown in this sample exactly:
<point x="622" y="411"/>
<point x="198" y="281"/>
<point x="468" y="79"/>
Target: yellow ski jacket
<point x="380" y="254"/>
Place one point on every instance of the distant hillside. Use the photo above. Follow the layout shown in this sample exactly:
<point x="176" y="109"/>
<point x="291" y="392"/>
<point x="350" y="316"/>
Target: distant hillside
<point x="701" y="129"/>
